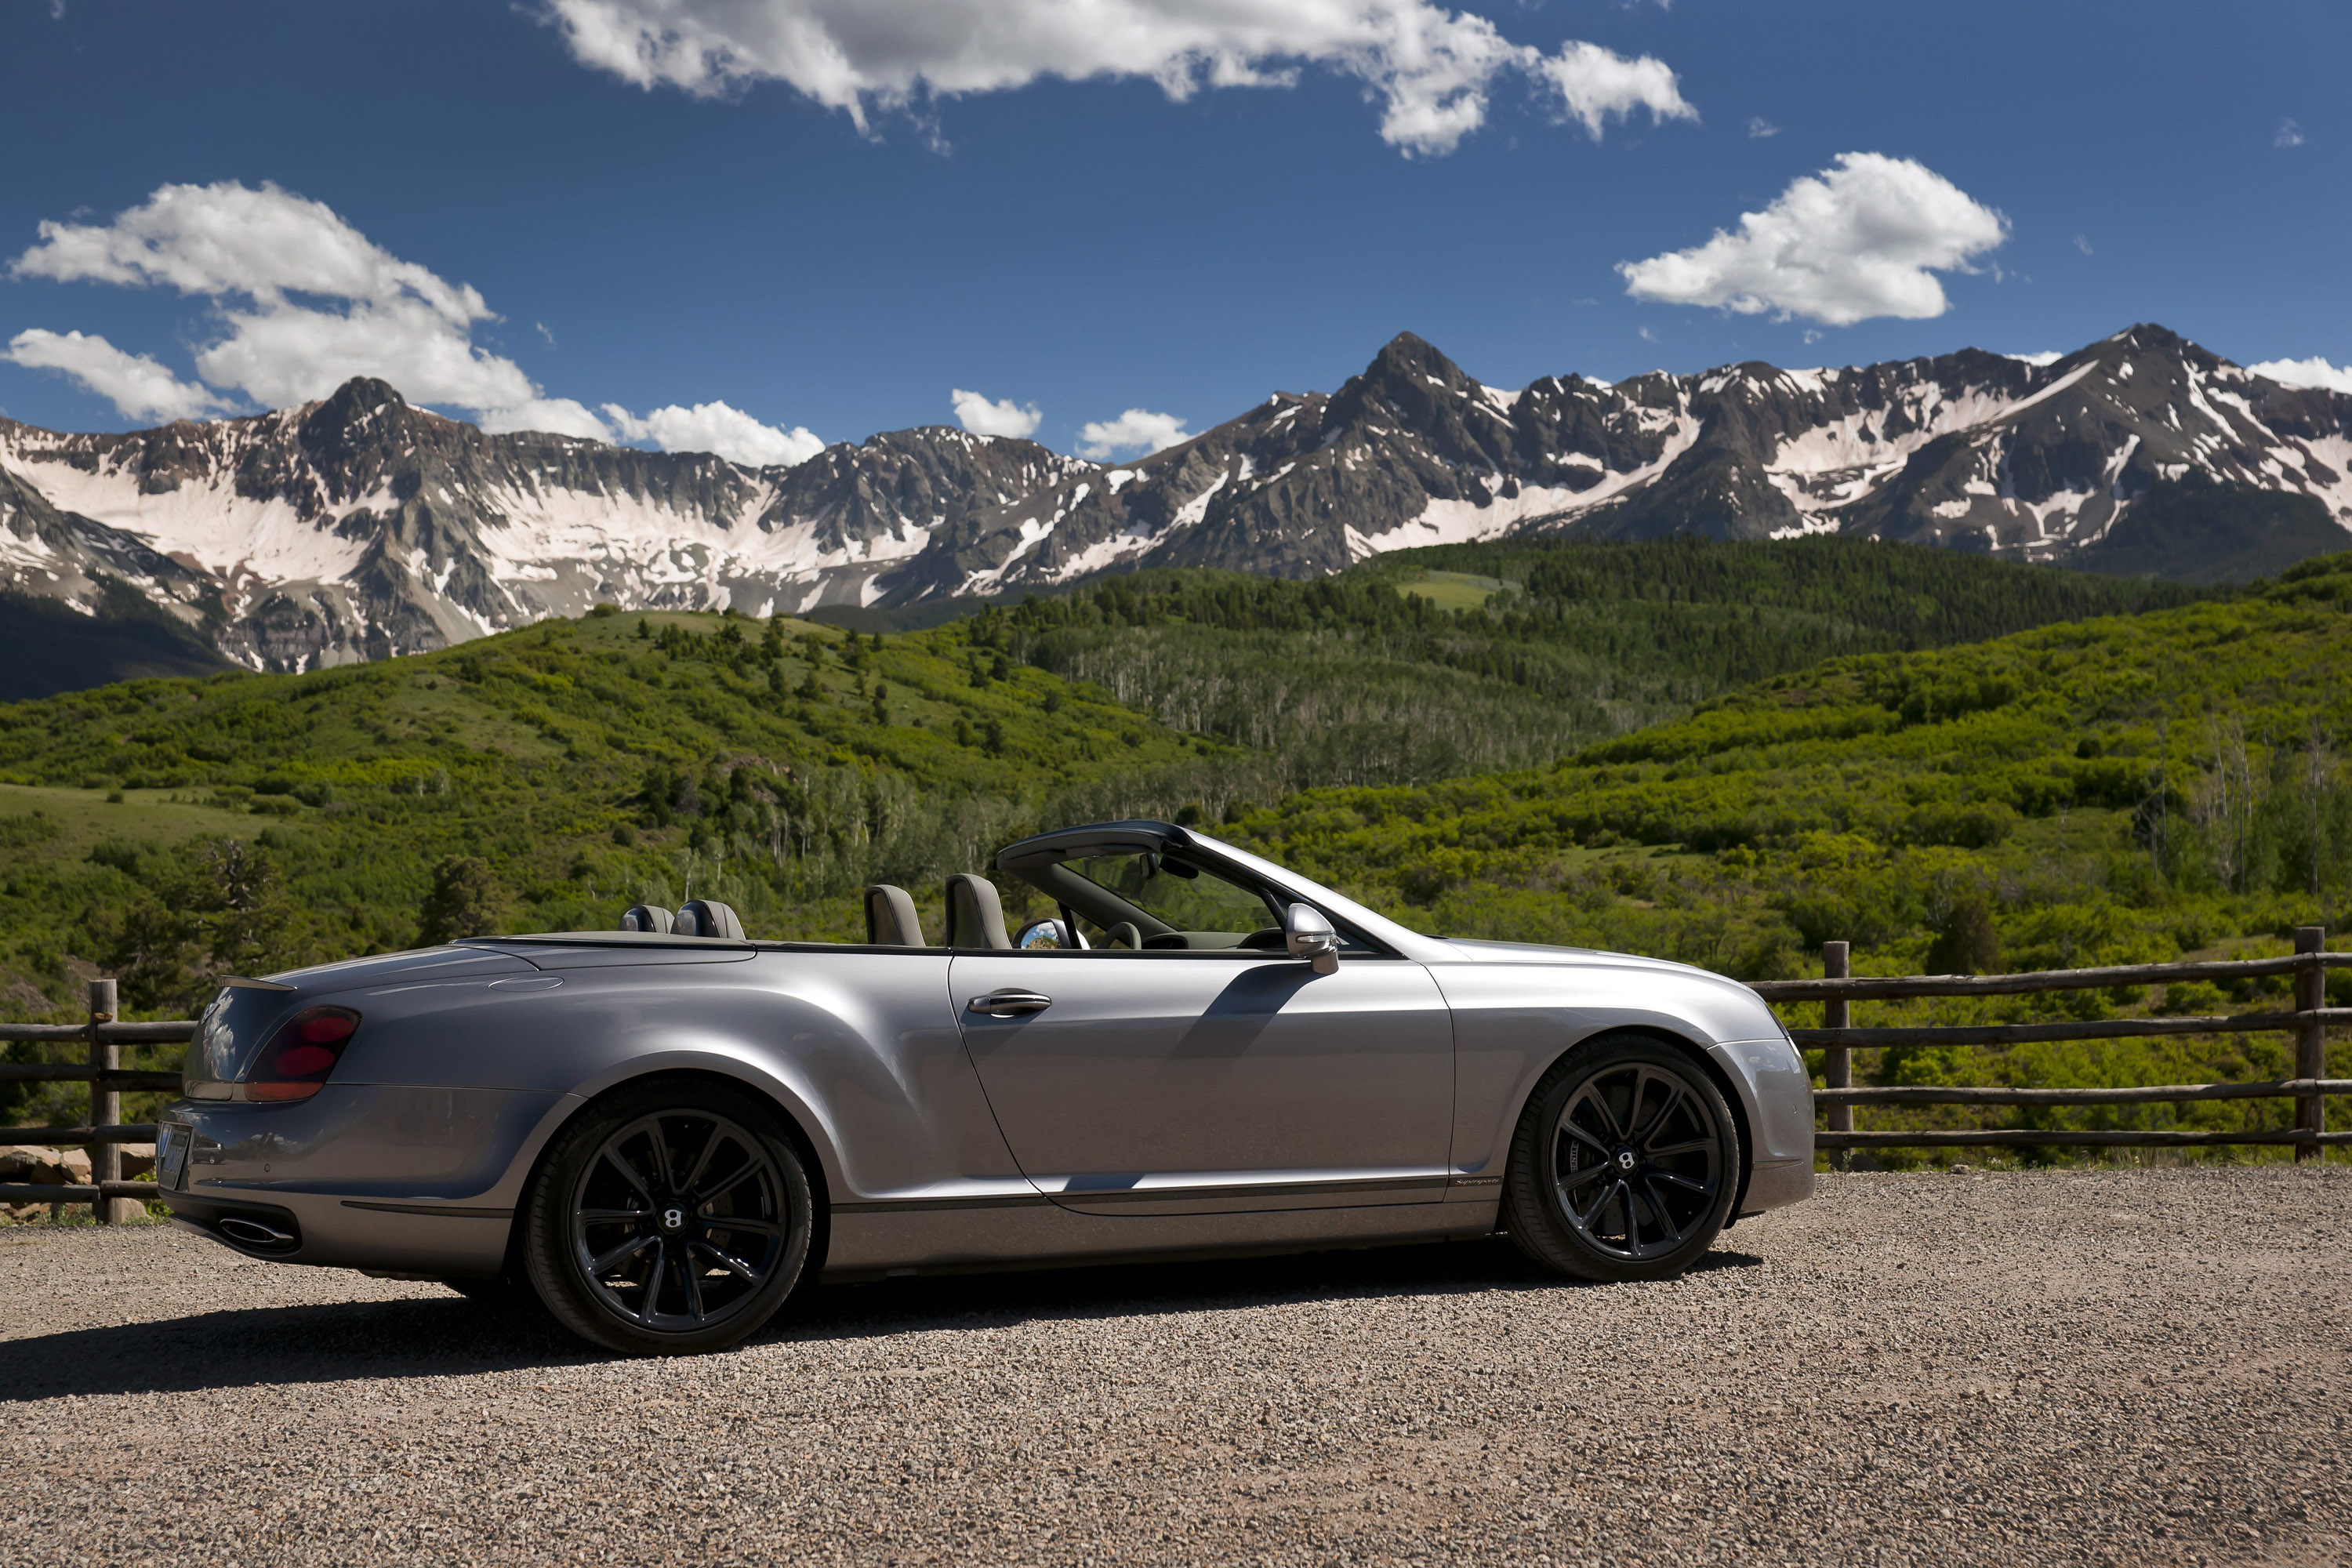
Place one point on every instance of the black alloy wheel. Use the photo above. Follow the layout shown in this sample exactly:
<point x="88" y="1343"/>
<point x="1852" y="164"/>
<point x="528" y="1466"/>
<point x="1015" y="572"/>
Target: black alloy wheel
<point x="1625" y="1163"/>
<point x="674" y="1217"/>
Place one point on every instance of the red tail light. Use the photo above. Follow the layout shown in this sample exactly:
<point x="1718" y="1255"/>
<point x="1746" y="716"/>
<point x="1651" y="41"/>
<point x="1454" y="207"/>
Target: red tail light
<point x="296" y="1062"/>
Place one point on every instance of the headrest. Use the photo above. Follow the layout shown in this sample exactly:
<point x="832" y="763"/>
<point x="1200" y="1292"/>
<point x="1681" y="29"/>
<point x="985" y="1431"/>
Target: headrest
<point x="890" y="920"/>
<point x="975" y="914"/>
<point x="648" y="916"/>
<point x="708" y="917"/>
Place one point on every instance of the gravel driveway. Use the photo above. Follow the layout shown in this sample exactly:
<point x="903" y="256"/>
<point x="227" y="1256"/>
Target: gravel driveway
<point x="2064" y="1367"/>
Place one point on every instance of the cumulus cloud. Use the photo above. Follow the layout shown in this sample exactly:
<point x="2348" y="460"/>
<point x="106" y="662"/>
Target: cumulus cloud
<point x="2312" y="371"/>
<point x="1136" y="430"/>
<point x="2082" y="244"/>
<point x="717" y="427"/>
<point x="2290" y="134"/>
<point x="1432" y="70"/>
<point x="2040" y="360"/>
<point x="138" y="387"/>
<point x="1862" y="239"/>
<point x="1759" y="128"/>
<point x="978" y="414"/>
<point x="303" y="301"/>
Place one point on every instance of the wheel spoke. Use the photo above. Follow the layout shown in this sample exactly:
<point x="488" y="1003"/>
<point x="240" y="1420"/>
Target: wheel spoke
<point x="1658" y="1207"/>
<point x="729" y="1183"/>
<point x="1592" y="1095"/>
<point x="635" y="1244"/>
<point x="1582" y="1136"/>
<point x="611" y="1216"/>
<point x="1693" y="1144"/>
<point x="729" y="1262"/>
<point x="619" y="1162"/>
<point x="660" y="1140"/>
<point x="702" y="1161"/>
<point x="693" y="1272"/>
<point x="1569" y="1184"/>
<point x="756" y="1227"/>
<point x="1701" y="1188"/>
<point x="1584" y="1221"/>
<point x="1657" y="1124"/>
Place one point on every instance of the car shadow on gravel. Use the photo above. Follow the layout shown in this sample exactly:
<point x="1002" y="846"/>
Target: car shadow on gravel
<point x="435" y="1337"/>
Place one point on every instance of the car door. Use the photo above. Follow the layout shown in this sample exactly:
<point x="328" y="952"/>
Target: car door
<point x="1203" y="1082"/>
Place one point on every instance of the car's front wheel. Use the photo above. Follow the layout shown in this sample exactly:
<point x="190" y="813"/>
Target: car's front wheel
<point x="673" y="1216"/>
<point x="1625" y="1163"/>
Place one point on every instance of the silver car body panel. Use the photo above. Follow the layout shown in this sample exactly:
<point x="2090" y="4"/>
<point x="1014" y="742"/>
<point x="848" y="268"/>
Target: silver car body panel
<point x="1165" y="1103"/>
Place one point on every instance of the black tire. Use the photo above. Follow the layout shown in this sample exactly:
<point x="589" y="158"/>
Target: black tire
<point x="669" y="1218"/>
<point x="1625" y="1163"/>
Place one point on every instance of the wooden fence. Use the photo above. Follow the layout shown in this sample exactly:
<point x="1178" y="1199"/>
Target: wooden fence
<point x="1837" y="991"/>
<point x="103" y="1134"/>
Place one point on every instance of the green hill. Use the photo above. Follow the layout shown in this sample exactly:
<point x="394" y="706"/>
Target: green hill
<point x="1435" y="662"/>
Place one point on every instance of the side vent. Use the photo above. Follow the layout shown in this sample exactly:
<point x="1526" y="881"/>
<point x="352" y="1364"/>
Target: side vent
<point x="646" y="917"/>
<point x="708" y="917"/>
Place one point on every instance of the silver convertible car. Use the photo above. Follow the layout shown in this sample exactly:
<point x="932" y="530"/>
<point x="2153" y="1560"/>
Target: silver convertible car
<point x="664" y="1131"/>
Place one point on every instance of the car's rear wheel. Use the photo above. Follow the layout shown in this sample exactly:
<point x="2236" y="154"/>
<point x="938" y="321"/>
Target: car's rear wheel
<point x="671" y="1217"/>
<point x="1625" y="1163"/>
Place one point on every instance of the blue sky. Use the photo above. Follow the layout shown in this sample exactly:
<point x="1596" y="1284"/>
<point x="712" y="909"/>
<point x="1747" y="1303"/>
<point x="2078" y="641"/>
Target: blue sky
<point x="1086" y="248"/>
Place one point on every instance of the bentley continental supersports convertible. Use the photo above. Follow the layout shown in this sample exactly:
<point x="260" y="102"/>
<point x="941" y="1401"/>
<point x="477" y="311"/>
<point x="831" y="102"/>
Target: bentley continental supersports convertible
<point x="663" y="1131"/>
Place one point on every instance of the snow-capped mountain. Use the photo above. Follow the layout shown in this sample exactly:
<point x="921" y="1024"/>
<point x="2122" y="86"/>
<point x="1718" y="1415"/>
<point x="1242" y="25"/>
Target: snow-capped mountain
<point x="360" y="527"/>
<point x="1972" y="450"/>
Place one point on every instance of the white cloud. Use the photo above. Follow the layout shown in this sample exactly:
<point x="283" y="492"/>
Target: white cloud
<point x="1862" y="239"/>
<point x="363" y="310"/>
<point x="2314" y="371"/>
<point x="1136" y="430"/>
<point x="2082" y="244"/>
<point x="1594" y="83"/>
<point x="1431" y="68"/>
<point x="305" y="301"/>
<point x="138" y="387"/>
<point x="556" y="415"/>
<point x="2046" y="358"/>
<point x="982" y="417"/>
<point x="1759" y="128"/>
<point x="717" y="427"/>
<point x="2290" y="134"/>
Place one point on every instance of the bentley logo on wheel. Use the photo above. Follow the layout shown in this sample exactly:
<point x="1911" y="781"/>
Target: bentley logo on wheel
<point x="673" y="1218"/>
<point x="1624" y="1159"/>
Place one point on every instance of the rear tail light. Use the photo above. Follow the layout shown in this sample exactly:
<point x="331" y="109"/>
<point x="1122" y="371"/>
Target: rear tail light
<point x="296" y="1062"/>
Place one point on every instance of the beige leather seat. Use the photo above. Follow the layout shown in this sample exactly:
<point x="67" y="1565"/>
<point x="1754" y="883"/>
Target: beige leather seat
<point x="975" y="914"/>
<point x="890" y="919"/>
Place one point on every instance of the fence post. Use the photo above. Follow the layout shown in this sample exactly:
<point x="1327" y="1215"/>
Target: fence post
<point x="1837" y="1061"/>
<point x="105" y="1103"/>
<point x="2310" y="1039"/>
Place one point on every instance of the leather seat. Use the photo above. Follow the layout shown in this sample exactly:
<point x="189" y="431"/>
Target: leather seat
<point x="975" y="914"/>
<point x="890" y="918"/>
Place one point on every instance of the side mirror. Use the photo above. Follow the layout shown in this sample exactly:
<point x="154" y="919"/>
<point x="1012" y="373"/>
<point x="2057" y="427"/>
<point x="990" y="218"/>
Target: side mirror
<point x="1308" y="934"/>
<point x="1045" y="933"/>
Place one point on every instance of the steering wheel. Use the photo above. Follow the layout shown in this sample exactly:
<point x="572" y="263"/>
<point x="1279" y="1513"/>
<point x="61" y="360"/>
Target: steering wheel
<point x="1272" y="939"/>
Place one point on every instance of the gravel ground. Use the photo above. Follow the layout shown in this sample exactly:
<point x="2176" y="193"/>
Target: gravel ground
<point x="2009" y="1368"/>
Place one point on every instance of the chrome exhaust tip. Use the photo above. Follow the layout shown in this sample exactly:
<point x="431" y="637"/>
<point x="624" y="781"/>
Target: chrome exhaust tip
<point x="255" y="1232"/>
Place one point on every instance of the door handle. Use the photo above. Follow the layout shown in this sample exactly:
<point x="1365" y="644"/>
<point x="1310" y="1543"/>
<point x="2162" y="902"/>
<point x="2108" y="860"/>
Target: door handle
<point x="1009" y="1004"/>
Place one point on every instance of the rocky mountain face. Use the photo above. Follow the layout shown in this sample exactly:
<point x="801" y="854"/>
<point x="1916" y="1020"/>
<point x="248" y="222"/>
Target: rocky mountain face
<point x="360" y="527"/>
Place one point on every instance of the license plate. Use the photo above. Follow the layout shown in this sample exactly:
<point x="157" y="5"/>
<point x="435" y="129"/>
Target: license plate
<point x="171" y="1155"/>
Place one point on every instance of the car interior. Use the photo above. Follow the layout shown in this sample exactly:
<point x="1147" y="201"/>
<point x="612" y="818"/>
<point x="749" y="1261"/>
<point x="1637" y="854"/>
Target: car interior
<point x="1107" y="896"/>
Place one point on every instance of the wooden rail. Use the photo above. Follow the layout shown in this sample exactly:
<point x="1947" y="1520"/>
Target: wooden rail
<point x="1839" y="1037"/>
<point x="104" y="1132"/>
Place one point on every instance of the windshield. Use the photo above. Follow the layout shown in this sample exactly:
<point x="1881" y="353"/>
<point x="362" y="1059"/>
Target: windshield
<point x="1180" y="896"/>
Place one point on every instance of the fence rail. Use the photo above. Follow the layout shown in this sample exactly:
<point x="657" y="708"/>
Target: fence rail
<point x="104" y="1133"/>
<point x="1839" y="1037"/>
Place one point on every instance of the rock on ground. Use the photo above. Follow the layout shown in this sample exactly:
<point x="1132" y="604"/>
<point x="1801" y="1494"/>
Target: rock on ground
<point x="2108" y="1366"/>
